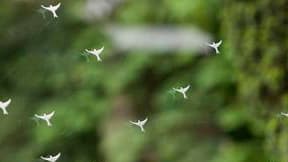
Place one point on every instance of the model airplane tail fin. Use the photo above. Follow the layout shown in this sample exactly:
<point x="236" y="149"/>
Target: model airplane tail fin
<point x="49" y="123"/>
<point x="55" y="15"/>
<point x="5" y="111"/>
<point x="98" y="58"/>
<point x="142" y="129"/>
<point x="185" y="96"/>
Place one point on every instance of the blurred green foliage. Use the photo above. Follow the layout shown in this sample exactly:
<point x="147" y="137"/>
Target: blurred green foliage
<point x="231" y="113"/>
<point x="256" y="36"/>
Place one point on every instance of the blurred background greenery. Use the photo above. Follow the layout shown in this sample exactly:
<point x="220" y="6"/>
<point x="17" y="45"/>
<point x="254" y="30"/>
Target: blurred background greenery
<point x="234" y="101"/>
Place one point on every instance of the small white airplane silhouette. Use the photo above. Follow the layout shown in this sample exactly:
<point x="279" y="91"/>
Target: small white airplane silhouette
<point x="52" y="158"/>
<point x="215" y="45"/>
<point x="52" y="9"/>
<point x="4" y="105"/>
<point x="96" y="52"/>
<point x="46" y="117"/>
<point x="140" y="124"/>
<point x="182" y="90"/>
<point x="284" y="114"/>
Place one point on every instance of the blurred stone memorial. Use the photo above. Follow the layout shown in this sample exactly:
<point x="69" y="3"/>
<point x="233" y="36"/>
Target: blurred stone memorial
<point x="148" y="38"/>
<point x="158" y="38"/>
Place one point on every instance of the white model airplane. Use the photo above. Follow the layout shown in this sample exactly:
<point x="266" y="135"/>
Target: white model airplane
<point x="52" y="158"/>
<point x="182" y="90"/>
<point x="52" y="9"/>
<point x="284" y="114"/>
<point x="215" y="46"/>
<point x="4" y="105"/>
<point x="46" y="117"/>
<point x="96" y="52"/>
<point x="140" y="124"/>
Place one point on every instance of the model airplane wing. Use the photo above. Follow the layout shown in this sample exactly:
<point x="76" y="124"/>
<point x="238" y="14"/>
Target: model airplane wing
<point x="100" y="50"/>
<point x="45" y="158"/>
<point x="51" y="114"/>
<point x="186" y="88"/>
<point x="133" y="122"/>
<point x="87" y="50"/>
<point x="144" y="121"/>
<point x="47" y="8"/>
<point x="177" y="89"/>
<point x="57" y="6"/>
<point x="5" y="104"/>
<point x="38" y="116"/>
<point x="57" y="156"/>
<point x="219" y="43"/>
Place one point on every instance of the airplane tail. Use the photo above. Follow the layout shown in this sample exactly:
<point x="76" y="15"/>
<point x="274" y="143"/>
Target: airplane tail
<point x="55" y="15"/>
<point x="49" y="123"/>
<point x="98" y="58"/>
<point x="142" y="129"/>
<point x="185" y="96"/>
<point x="4" y="111"/>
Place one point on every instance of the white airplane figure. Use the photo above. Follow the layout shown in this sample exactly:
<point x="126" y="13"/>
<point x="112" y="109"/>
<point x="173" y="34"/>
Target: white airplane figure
<point x="215" y="46"/>
<point x="96" y="52"/>
<point x="46" y="117"/>
<point x="284" y="114"/>
<point x="182" y="90"/>
<point x="4" y="105"/>
<point x="52" y="9"/>
<point x="140" y="124"/>
<point x="52" y="158"/>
